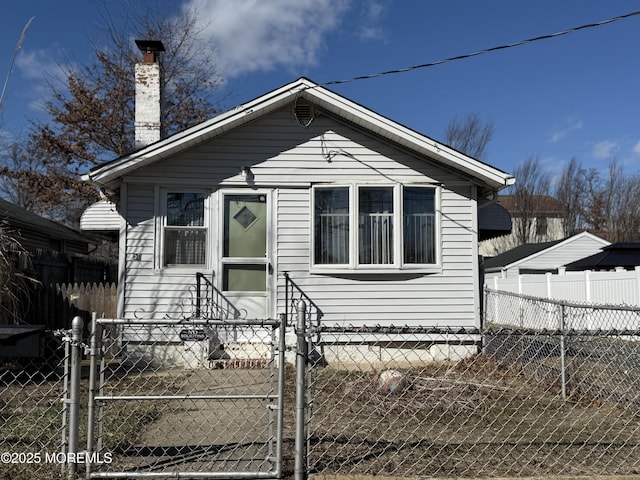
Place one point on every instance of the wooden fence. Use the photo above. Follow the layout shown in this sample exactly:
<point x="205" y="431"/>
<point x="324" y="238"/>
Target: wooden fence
<point x="61" y="268"/>
<point x="55" y="305"/>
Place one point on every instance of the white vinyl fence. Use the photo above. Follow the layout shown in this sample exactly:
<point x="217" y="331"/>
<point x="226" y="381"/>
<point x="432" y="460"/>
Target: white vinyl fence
<point x="620" y="287"/>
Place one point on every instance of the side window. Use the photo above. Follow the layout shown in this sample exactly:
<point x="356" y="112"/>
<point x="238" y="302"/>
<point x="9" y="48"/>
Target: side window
<point x="184" y="229"/>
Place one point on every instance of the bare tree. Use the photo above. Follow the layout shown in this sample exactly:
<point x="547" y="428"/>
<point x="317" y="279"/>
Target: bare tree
<point x="469" y="135"/>
<point x="594" y="206"/>
<point x="531" y="186"/>
<point x="613" y="204"/>
<point x="620" y="198"/>
<point x="92" y="114"/>
<point x="571" y="191"/>
<point x="626" y="211"/>
<point x="14" y="158"/>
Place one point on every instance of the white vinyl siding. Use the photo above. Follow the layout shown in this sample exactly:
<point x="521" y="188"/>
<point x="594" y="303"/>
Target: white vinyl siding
<point x="290" y="159"/>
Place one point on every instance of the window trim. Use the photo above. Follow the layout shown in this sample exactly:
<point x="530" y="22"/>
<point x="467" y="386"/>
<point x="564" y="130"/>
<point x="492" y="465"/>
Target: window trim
<point x="162" y="228"/>
<point x="398" y="265"/>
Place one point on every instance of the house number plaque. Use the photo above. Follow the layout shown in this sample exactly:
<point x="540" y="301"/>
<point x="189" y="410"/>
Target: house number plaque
<point x="193" y="335"/>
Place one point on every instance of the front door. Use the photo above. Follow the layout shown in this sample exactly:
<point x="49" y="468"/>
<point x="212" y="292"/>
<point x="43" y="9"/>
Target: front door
<point x="245" y="263"/>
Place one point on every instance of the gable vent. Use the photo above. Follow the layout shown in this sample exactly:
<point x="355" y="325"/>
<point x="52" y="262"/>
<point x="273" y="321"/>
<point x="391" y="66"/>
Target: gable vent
<point x="304" y="112"/>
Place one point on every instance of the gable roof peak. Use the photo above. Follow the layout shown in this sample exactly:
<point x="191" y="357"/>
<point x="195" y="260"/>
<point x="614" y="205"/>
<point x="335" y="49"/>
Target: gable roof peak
<point x="108" y="176"/>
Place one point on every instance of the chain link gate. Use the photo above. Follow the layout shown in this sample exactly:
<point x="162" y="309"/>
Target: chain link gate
<point x="191" y="399"/>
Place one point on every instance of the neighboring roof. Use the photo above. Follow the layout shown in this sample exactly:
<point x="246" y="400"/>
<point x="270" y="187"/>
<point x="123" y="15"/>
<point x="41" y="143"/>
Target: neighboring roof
<point x="108" y="175"/>
<point x="544" y="204"/>
<point x="516" y="254"/>
<point x="524" y="253"/>
<point x="621" y="254"/>
<point x="493" y="221"/>
<point x="20" y="219"/>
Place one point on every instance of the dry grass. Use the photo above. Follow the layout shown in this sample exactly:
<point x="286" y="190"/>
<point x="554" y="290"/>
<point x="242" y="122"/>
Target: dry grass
<point x="31" y="422"/>
<point x="472" y="418"/>
<point x="476" y="417"/>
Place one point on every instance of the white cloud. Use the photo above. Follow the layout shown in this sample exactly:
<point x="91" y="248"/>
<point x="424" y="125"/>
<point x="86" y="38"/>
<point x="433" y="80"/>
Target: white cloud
<point x="604" y="150"/>
<point x="560" y="134"/>
<point x="34" y="64"/>
<point x="370" y="21"/>
<point x="258" y="35"/>
<point x="636" y="148"/>
<point x="39" y="69"/>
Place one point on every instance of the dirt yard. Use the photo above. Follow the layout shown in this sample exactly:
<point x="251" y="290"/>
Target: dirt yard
<point x="475" y="418"/>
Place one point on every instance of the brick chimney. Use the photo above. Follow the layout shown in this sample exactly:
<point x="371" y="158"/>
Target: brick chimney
<point x="148" y="116"/>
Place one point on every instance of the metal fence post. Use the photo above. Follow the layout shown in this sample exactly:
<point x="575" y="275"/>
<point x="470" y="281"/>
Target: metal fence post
<point x="65" y="397"/>
<point x="74" y="395"/>
<point x="94" y="352"/>
<point x="300" y="472"/>
<point x="282" y="348"/>
<point x="563" y="371"/>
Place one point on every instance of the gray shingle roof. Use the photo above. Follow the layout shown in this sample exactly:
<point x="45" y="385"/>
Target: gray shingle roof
<point x="621" y="254"/>
<point x="19" y="218"/>
<point x="517" y="253"/>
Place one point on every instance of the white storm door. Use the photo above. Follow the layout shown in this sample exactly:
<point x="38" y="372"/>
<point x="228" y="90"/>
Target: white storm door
<point x="245" y="271"/>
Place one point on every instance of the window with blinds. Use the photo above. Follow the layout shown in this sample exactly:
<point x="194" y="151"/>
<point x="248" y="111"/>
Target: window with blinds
<point x="185" y="229"/>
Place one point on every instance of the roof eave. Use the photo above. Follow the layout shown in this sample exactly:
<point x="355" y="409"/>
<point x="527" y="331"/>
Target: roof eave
<point x="366" y="118"/>
<point x="109" y="176"/>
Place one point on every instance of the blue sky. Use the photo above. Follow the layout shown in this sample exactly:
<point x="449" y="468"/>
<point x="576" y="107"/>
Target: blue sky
<point x="577" y="95"/>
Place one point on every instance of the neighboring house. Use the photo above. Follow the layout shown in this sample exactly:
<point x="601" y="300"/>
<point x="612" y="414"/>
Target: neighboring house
<point x="536" y="258"/>
<point x="547" y="224"/>
<point x="57" y="253"/>
<point x="38" y="233"/>
<point x="620" y="255"/>
<point x="52" y="254"/>
<point x="375" y="222"/>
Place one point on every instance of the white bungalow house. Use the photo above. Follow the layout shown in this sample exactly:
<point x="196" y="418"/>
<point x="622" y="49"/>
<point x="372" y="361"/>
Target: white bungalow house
<point x="374" y="222"/>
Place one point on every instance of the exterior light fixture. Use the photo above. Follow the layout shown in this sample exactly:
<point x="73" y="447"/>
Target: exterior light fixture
<point x="246" y="173"/>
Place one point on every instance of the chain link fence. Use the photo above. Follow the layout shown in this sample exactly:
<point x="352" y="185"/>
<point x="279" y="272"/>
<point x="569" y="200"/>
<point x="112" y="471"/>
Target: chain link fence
<point x="532" y="393"/>
<point x="543" y="388"/>
<point x="33" y="405"/>
<point x="148" y="399"/>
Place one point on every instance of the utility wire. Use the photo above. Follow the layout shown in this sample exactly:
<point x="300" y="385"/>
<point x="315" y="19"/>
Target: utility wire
<point x="482" y="52"/>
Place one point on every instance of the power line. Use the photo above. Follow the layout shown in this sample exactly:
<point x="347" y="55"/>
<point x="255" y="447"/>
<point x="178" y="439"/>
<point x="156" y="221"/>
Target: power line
<point x="487" y="50"/>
